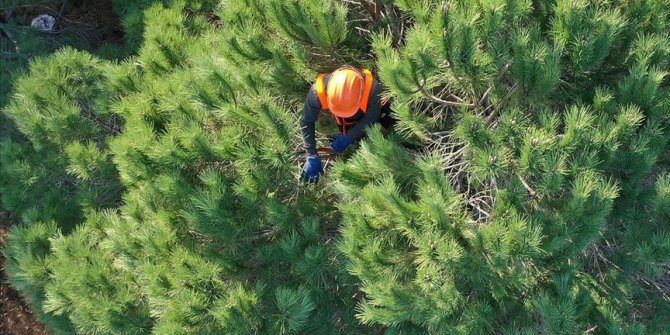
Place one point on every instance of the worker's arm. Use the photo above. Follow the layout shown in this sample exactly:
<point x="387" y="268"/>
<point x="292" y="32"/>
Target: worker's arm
<point x="371" y="115"/>
<point x="310" y="114"/>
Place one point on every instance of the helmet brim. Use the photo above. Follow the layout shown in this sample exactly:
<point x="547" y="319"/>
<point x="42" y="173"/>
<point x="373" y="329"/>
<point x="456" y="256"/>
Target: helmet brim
<point x="344" y="113"/>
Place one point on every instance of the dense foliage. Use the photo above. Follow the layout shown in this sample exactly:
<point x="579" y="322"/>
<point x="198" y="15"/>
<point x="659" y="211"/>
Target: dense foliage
<point x="524" y="189"/>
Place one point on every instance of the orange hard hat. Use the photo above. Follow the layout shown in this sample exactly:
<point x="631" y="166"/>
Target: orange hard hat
<point x="345" y="91"/>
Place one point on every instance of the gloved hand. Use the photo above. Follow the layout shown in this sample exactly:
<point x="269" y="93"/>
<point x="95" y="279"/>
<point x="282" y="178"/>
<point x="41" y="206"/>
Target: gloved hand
<point x="339" y="143"/>
<point x="312" y="170"/>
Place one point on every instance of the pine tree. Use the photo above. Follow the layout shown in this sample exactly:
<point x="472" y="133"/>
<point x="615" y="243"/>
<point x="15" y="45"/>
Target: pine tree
<point x="31" y="172"/>
<point x="210" y="163"/>
<point x="523" y="190"/>
<point x="60" y="163"/>
<point x="543" y="145"/>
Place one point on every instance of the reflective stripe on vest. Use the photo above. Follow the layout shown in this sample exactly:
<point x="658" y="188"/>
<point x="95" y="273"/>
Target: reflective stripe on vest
<point x="321" y="92"/>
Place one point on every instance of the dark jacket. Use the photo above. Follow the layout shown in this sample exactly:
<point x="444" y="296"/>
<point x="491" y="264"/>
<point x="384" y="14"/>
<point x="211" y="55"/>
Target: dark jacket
<point x="313" y="107"/>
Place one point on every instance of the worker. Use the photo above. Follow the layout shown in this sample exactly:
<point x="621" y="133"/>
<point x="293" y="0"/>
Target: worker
<point x="354" y="98"/>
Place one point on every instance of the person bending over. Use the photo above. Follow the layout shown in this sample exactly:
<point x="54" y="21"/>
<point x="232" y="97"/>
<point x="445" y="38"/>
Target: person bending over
<point x="353" y="97"/>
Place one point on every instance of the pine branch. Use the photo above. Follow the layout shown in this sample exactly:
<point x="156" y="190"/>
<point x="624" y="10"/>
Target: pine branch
<point x="437" y="100"/>
<point x="112" y="130"/>
<point x="503" y="72"/>
<point x="530" y="190"/>
<point x="441" y="133"/>
<point x="494" y="114"/>
<point x="488" y="91"/>
<point x="363" y="30"/>
<point x="662" y="285"/>
<point x="484" y="97"/>
<point x="474" y="203"/>
<point x="372" y="10"/>
<point x="664" y="291"/>
<point x="591" y="330"/>
<point x="267" y="234"/>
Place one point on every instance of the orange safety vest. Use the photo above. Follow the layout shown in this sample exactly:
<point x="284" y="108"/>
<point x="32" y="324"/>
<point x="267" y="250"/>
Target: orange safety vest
<point x="321" y="92"/>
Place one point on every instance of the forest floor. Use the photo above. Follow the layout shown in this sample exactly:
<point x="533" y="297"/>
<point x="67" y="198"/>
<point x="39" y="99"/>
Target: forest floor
<point x="15" y="316"/>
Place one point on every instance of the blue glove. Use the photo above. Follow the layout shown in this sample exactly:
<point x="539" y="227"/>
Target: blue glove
<point x="312" y="170"/>
<point x="339" y="143"/>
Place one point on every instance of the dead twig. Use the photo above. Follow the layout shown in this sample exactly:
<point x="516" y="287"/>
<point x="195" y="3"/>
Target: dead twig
<point x="664" y="291"/>
<point x="363" y="30"/>
<point x="435" y="99"/>
<point x="110" y="127"/>
<point x="530" y="190"/>
<point x="492" y="116"/>
<point x="474" y="205"/>
<point x="264" y="235"/>
<point x="504" y="71"/>
<point x="372" y="10"/>
<point x="486" y="95"/>
<point x="654" y="285"/>
<point x="440" y="133"/>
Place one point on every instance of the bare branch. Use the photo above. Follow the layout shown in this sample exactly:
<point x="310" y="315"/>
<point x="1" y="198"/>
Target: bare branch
<point x="532" y="192"/>
<point x="475" y="206"/>
<point x="440" y="133"/>
<point x="372" y="10"/>
<point x="435" y="99"/>
<point x="504" y="71"/>
<point x="496" y="110"/>
<point x="363" y="30"/>
<point x="486" y="95"/>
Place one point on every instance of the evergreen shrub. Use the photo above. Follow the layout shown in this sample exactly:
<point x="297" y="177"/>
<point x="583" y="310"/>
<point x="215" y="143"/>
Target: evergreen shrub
<point x="523" y="190"/>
